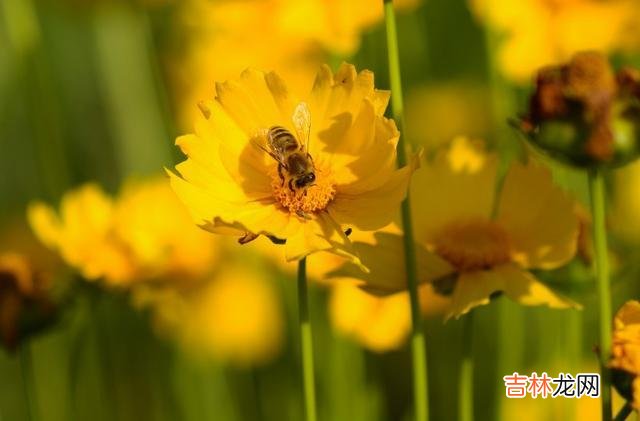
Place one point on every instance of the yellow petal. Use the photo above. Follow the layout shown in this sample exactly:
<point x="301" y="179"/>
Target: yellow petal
<point x="369" y="142"/>
<point x="44" y="223"/>
<point x="321" y="233"/>
<point x="474" y="289"/>
<point x="254" y="103"/>
<point x="212" y="212"/>
<point x="384" y="258"/>
<point x="538" y="217"/>
<point x="229" y="149"/>
<point x="335" y="101"/>
<point x="373" y="209"/>
<point x="457" y="184"/>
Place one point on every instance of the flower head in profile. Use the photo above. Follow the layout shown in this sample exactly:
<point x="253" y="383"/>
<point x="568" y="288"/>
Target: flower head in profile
<point x="262" y="162"/>
<point x="144" y="233"/>
<point x="625" y="353"/>
<point x="462" y="248"/>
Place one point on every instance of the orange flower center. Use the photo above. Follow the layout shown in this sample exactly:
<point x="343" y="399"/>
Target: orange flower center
<point x="473" y="244"/>
<point x="310" y="199"/>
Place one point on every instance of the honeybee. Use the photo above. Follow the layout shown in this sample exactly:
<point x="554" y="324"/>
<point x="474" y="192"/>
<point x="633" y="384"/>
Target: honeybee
<point x="292" y="152"/>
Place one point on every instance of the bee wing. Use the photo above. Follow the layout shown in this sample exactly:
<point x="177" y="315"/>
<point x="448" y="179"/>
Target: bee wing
<point x="302" y="124"/>
<point x="258" y="141"/>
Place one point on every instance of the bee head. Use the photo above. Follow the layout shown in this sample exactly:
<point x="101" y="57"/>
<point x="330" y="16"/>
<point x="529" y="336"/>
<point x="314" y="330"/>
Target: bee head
<point x="305" y="180"/>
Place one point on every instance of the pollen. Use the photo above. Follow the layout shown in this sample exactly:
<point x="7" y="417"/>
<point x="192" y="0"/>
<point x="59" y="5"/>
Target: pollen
<point x="473" y="244"/>
<point x="311" y="199"/>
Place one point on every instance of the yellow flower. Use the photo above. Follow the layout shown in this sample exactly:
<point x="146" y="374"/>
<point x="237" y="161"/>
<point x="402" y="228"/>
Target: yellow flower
<point x="83" y="234"/>
<point x="467" y="251"/>
<point x="335" y="24"/>
<point x="234" y="317"/>
<point x="232" y="186"/>
<point x="542" y="32"/>
<point x="290" y="37"/>
<point x="625" y="353"/>
<point x="145" y="233"/>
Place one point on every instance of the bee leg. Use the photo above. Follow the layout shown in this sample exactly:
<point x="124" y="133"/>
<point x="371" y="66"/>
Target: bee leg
<point x="281" y="175"/>
<point x="291" y="186"/>
<point x="247" y="238"/>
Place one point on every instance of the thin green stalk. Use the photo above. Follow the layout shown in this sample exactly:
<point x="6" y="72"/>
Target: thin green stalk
<point x="26" y="370"/>
<point x="465" y="380"/>
<point x="418" y="346"/>
<point x="307" y="343"/>
<point x="625" y="411"/>
<point x="597" y="194"/>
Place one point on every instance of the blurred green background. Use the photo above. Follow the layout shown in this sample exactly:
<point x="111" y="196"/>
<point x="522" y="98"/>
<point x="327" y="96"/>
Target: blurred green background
<point x="95" y="90"/>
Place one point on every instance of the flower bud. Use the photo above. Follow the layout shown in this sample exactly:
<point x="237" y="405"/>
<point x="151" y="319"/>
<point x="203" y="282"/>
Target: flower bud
<point x="584" y="114"/>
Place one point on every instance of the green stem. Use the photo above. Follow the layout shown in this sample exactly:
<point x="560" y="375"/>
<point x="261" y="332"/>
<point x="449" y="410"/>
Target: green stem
<point x="465" y="381"/>
<point x="625" y="411"/>
<point x="26" y="370"/>
<point x="307" y="343"/>
<point x="418" y="346"/>
<point x="597" y="193"/>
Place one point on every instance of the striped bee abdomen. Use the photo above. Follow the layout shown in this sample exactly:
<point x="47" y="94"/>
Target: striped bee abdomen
<point x="281" y="140"/>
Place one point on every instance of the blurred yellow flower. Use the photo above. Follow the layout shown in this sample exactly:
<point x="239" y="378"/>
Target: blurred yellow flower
<point x="82" y="233"/>
<point x="231" y="186"/>
<point x="437" y="113"/>
<point x="235" y="316"/>
<point x="145" y="233"/>
<point x="625" y="353"/>
<point x="379" y="324"/>
<point x="462" y="248"/>
<point x="543" y="32"/>
<point x="293" y="38"/>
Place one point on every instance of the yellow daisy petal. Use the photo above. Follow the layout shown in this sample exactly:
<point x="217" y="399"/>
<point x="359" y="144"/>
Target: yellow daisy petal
<point x="538" y="217"/>
<point x="475" y="288"/>
<point x="256" y="101"/>
<point x="320" y="234"/>
<point x="387" y="274"/>
<point x="373" y="209"/>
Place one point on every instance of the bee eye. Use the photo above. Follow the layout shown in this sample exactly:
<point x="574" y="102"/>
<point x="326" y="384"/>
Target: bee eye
<point x="311" y="177"/>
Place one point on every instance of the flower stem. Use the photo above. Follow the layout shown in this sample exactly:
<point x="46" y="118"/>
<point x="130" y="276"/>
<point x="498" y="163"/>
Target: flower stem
<point x="307" y="343"/>
<point x="597" y="193"/>
<point x="465" y="380"/>
<point x="418" y="346"/>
